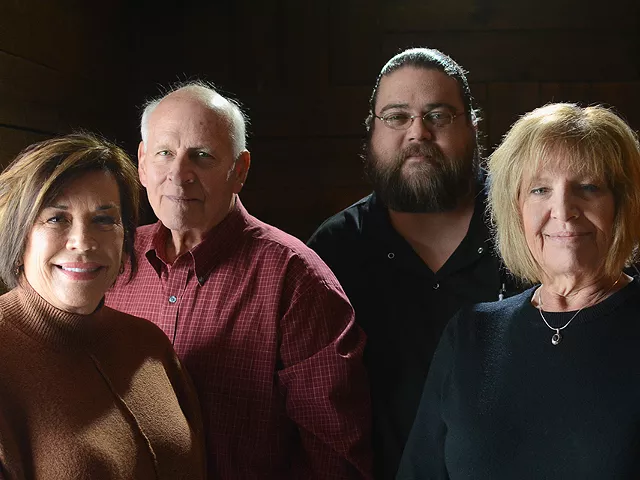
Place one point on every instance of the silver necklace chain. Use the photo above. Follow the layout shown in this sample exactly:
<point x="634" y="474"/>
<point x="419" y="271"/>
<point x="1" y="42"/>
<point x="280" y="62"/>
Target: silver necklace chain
<point x="556" y="338"/>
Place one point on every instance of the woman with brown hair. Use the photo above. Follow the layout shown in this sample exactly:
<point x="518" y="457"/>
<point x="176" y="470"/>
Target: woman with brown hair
<point x="85" y="391"/>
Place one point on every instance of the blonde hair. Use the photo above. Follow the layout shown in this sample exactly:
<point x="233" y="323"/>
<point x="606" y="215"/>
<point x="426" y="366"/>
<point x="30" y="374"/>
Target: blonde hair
<point x="592" y="140"/>
<point x="39" y="174"/>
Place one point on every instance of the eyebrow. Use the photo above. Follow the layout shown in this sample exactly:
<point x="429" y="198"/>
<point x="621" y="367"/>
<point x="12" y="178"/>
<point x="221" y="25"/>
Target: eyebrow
<point x="428" y="107"/>
<point x="202" y="148"/>
<point x="107" y="206"/>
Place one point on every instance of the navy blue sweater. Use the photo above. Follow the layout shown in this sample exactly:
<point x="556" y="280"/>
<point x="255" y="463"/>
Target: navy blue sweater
<point x="502" y="402"/>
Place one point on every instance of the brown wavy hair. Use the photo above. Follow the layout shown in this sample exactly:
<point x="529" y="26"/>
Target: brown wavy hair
<point x="40" y="173"/>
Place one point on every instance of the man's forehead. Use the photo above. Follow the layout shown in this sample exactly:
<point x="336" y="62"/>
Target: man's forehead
<point x="416" y="84"/>
<point x="175" y="114"/>
<point x="180" y="107"/>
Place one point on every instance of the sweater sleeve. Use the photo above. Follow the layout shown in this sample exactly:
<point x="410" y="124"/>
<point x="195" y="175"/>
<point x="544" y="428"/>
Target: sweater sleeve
<point x="423" y="456"/>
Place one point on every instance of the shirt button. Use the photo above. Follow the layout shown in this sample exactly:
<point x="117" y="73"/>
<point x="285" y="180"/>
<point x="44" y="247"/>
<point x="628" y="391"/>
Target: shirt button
<point x="173" y="299"/>
<point x="480" y="250"/>
<point x="201" y="280"/>
<point x="436" y="286"/>
<point x="391" y="255"/>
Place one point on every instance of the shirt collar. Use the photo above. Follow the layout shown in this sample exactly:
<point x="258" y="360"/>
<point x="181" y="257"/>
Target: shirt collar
<point x="216" y="245"/>
<point x="386" y="241"/>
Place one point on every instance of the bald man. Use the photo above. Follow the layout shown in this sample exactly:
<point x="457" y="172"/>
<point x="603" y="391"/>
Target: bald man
<point x="260" y="322"/>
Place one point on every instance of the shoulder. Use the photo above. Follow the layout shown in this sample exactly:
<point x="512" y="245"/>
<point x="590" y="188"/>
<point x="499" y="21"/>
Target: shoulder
<point x="8" y="299"/>
<point x="7" y="302"/>
<point x="342" y="239"/>
<point x="488" y="317"/>
<point x="146" y="233"/>
<point x="130" y="330"/>
<point x="285" y="252"/>
<point x="145" y="236"/>
<point x="345" y="224"/>
<point x="506" y="306"/>
<point x="267" y="239"/>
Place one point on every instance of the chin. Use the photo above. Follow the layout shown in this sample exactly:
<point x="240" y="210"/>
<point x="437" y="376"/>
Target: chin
<point x="570" y="268"/>
<point x="81" y="302"/>
<point x="178" y="222"/>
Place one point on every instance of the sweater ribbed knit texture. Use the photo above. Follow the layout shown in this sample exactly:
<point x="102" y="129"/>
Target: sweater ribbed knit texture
<point x="98" y="396"/>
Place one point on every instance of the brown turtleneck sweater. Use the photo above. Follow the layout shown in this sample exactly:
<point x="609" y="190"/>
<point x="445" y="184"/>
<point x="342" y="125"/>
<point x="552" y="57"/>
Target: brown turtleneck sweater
<point x="100" y="396"/>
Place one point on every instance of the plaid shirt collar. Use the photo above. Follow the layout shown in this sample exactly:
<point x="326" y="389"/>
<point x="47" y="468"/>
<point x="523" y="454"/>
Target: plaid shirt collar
<point x="215" y="247"/>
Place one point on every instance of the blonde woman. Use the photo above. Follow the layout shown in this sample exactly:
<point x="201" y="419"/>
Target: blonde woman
<point x="546" y="384"/>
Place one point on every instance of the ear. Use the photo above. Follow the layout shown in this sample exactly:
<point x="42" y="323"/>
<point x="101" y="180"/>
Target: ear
<point x="241" y="170"/>
<point x="142" y="168"/>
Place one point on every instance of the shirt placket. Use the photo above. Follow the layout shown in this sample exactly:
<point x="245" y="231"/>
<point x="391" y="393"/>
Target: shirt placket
<point x="174" y="291"/>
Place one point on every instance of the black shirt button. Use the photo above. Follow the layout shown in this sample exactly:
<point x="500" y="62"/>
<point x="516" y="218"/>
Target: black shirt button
<point x="436" y="286"/>
<point x="480" y="250"/>
<point x="391" y="255"/>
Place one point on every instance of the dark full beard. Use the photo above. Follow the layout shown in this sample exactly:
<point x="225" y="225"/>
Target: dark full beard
<point x="433" y="185"/>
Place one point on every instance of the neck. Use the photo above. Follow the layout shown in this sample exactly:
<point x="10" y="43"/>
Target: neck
<point x="434" y="236"/>
<point x="568" y="294"/>
<point x="179" y="243"/>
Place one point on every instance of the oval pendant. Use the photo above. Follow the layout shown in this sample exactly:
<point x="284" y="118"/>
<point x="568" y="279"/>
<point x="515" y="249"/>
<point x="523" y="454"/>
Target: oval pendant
<point x="556" y="338"/>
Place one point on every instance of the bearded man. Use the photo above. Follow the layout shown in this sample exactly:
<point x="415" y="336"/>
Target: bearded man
<point x="417" y="249"/>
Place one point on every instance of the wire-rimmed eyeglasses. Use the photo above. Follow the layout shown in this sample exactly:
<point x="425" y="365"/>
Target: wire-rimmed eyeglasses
<point x="402" y="120"/>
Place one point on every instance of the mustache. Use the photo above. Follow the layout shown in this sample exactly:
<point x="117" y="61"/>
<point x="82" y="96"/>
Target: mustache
<point x="421" y="150"/>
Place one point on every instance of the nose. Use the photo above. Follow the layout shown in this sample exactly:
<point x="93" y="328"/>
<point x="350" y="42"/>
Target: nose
<point x="181" y="172"/>
<point x="81" y="238"/>
<point x="564" y="207"/>
<point x="418" y="131"/>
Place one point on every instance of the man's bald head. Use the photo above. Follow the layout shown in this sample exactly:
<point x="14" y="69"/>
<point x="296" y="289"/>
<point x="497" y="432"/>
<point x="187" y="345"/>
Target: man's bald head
<point x="210" y="98"/>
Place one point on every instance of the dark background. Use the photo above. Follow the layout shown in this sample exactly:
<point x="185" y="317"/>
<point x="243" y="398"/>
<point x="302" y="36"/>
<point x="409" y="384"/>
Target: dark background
<point x="304" y="71"/>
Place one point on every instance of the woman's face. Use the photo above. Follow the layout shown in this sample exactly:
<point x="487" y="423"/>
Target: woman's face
<point x="568" y="221"/>
<point x="74" y="249"/>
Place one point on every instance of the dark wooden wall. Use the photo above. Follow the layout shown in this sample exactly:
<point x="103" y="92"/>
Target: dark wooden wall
<point x="59" y="64"/>
<point x="304" y="71"/>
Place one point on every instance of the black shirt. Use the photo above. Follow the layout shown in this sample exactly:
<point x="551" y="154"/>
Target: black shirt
<point x="402" y="306"/>
<point x="502" y="402"/>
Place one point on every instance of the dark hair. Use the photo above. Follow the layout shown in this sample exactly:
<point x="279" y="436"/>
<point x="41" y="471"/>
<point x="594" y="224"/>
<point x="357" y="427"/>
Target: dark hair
<point x="429" y="59"/>
<point x="39" y="174"/>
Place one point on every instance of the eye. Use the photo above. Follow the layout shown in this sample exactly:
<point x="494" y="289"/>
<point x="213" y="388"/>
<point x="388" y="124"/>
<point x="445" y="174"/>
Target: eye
<point x="106" y="221"/>
<point x="437" y="115"/>
<point x="396" y="116"/>
<point x="203" y="154"/>
<point x="397" y="119"/>
<point x="539" y="190"/>
<point x="439" y="118"/>
<point x="163" y="153"/>
<point x="56" y="219"/>
<point x="589" y="187"/>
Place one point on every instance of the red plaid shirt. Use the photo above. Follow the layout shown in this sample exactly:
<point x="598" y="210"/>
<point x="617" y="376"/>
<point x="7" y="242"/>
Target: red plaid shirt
<point x="269" y="339"/>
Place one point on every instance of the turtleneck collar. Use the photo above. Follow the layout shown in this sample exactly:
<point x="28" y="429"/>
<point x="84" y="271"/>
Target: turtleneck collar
<point x="43" y="322"/>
